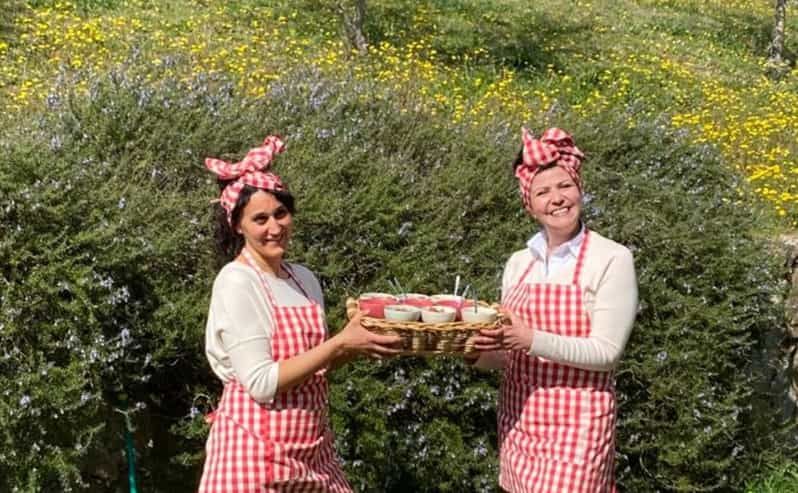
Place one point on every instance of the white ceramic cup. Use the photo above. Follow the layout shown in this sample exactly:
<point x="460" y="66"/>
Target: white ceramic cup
<point x="438" y="314"/>
<point x="402" y="313"/>
<point x="482" y="315"/>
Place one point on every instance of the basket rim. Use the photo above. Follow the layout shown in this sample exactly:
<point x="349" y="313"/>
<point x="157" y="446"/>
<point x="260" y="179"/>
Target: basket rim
<point x="381" y="323"/>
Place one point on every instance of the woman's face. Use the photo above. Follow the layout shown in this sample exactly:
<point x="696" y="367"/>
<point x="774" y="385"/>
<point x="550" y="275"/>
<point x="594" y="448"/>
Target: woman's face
<point x="556" y="201"/>
<point x="266" y="225"/>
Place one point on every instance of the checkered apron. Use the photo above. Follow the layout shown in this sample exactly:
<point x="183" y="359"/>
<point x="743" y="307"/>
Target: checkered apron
<point x="556" y="422"/>
<point x="284" y="446"/>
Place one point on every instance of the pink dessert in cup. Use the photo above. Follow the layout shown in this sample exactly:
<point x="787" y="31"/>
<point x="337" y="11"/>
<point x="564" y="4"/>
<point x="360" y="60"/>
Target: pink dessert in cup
<point x="375" y="303"/>
<point x="417" y="300"/>
<point x="456" y="302"/>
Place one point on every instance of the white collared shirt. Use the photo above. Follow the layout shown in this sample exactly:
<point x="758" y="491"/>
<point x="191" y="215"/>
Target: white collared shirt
<point x="564" y="255"/>
<point x="609" y="285"/>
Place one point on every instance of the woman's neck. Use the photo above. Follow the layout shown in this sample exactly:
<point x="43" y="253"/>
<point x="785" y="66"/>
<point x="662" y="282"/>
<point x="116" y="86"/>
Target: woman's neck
<point x="555" y="239"/>
<point x="273" y="266"/>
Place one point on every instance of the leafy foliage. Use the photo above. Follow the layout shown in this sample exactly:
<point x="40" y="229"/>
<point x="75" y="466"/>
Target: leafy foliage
<point x="106" y="231"/>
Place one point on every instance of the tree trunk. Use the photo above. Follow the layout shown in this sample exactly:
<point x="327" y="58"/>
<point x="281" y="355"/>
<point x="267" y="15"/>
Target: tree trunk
<point x="353" y="14"/>
<point x="776" y="49"/>
<point x="788" y="378"/>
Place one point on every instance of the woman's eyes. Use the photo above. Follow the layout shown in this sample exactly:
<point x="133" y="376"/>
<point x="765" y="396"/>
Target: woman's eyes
<point x="278" y="215"/>
<point x="544" y="191"/>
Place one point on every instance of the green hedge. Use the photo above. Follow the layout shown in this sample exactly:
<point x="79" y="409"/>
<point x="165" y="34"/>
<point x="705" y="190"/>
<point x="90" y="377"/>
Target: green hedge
<point x="105" y="232"/>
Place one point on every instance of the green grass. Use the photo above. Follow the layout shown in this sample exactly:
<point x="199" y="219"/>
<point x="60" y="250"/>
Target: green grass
<point x="782" y="480"/>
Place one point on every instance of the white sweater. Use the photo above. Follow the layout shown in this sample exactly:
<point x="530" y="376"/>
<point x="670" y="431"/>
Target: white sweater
<point x="610" y="287"/>
<point x="240" y="326"/>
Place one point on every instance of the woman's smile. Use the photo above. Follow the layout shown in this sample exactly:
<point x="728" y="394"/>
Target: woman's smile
<point x="266" y="225"/>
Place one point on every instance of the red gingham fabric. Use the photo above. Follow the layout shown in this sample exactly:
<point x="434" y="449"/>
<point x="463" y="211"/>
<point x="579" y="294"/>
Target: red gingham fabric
<point x="285" y="446"/>
<point x="253" y="170"/>
<point x="555" y="146"/>
<point x="556" y="422"/>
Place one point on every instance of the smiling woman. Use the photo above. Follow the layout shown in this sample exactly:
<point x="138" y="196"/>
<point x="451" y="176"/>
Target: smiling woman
<point x="266" y="224"/>
<point x="571" y="297"/>
<point x="266" y="339"/>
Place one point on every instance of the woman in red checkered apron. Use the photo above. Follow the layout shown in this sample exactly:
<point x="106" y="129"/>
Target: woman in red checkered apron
<point x="570" y="298"/>
<point x="266" y="339"/>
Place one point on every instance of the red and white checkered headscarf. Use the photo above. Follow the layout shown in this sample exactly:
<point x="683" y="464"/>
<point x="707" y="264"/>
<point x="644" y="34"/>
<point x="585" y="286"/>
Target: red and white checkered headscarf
<point x="253" y="170"/>
<point x="555" y="146"/>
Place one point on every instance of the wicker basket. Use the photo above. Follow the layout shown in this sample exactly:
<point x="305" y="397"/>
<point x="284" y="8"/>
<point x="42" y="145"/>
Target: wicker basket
<point x="420" y="338"/>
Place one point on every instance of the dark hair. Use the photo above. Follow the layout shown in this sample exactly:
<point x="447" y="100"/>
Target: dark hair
<point x="228" y="242"/>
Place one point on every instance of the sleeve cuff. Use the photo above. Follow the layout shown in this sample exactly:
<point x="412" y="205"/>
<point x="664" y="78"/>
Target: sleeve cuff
<point x="272" y="379"/>
<point x="262" y="385"/>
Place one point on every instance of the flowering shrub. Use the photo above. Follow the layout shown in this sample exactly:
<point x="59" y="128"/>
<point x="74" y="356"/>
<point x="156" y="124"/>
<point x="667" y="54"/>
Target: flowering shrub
<point x="106" y="231"/>
<point x="702" y="62"/>
<point x="101" y="232"/>
<point x="400" y="162"/>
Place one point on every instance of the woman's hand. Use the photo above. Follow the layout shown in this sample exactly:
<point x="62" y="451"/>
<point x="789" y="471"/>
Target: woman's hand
<point x="489" y="340"/>
<point x="517" y="336"/>
<point x="512" y="336"/>
<point x="354" y="338"/>
<point x="471" y="358"/>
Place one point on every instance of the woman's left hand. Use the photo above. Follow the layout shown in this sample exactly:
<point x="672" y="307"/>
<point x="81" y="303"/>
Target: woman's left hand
<point x="514" y="335"/>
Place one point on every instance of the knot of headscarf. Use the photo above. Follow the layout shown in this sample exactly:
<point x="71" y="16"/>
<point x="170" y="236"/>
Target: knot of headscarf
<point x="556" y="147"/>
<point x="253" y="170"/>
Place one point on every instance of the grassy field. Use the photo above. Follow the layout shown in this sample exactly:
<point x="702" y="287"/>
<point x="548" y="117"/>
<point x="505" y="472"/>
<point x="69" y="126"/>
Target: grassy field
<point x="698" y="64"/>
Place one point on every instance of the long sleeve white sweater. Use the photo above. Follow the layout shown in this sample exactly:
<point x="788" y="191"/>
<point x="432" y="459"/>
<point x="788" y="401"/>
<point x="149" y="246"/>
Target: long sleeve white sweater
<point x="240" y="326"/>
<point x="610" y="288"/>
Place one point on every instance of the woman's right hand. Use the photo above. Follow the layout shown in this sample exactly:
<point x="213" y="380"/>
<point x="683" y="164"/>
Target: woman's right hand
<point x="489" y="340"/>
<point x="354" y="338"/>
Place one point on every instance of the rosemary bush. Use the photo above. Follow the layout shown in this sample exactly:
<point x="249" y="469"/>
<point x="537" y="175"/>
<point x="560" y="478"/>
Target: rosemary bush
<point x="105" y="232"/>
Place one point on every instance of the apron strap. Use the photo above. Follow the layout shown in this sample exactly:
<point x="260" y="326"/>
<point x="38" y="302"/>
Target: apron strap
<point x="262" y="276"/>
<point x="528" y="270"/>
<point x="296" y="280"/>
<point x="271" y="302"/>
<point x="520" y="281"/>
<point x="580" y="259"/>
